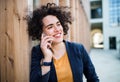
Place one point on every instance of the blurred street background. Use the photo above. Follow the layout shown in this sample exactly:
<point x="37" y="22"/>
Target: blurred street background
<point x="107" y="64"/>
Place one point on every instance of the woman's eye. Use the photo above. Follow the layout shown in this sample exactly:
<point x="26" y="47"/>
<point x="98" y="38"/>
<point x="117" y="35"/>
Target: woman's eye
<point x="58" y="24"/>
<point x="49" y="27"/>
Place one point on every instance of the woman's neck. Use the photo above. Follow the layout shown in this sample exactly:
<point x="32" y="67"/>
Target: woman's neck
<point x="58" y="46"/>
<point x="59" y="49"/>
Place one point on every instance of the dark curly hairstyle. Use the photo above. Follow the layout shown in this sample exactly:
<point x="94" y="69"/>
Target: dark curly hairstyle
<point x="34" y="20"/>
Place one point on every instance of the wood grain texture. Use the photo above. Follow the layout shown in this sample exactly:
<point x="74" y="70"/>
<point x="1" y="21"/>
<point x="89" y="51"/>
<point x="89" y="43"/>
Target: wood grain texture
<point x="14" y="43"/>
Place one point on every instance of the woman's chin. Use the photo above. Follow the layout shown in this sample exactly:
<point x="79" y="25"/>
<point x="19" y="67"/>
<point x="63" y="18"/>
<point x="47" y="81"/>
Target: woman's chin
<point x="58" y="41"/>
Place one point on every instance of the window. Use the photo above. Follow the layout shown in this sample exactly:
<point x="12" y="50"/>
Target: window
<point x="36" y="3"/>
<point x="96" y="9"/>
<point x="114" y="13"/>
<point x="112" y="42"/>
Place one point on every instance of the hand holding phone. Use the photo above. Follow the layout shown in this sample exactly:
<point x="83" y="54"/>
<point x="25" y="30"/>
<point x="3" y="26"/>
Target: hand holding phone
<point x="46" y="45"/>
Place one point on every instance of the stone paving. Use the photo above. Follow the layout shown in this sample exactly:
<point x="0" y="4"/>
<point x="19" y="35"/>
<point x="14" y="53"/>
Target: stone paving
<point x="107" y="64"/>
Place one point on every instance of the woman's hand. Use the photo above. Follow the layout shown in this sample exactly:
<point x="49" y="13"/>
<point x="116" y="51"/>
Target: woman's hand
<point x="45" y="45"/>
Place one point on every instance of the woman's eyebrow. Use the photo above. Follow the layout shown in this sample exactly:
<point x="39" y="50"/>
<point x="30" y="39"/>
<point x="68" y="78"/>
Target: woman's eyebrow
<point x="49" y="25"/>
<point x="58" y="21"/>
<point x="52" y="24"/>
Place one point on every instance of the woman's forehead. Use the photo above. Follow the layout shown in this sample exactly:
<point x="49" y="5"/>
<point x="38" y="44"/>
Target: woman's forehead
<point x="50" y="19"/>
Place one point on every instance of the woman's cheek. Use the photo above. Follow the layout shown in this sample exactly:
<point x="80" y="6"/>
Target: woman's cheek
<point x="50" y="32"/>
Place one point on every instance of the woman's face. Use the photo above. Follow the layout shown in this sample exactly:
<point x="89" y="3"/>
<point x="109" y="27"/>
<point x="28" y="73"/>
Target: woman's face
<point x="52" y="27"/>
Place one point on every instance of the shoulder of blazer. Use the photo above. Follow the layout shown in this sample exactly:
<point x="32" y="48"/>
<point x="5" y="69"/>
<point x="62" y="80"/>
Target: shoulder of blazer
<point x="36" y="51"/>
<point x="76" y="48"/>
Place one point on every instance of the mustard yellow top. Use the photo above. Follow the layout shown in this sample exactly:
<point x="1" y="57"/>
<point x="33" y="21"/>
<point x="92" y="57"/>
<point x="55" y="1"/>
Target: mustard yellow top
<point x="63" y="69"/>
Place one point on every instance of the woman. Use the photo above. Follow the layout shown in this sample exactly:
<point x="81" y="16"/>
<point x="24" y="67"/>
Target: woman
<point x="57" y="60"/>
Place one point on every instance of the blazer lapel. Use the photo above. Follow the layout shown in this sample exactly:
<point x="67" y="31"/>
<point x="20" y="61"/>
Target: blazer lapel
<point x="71" y="58"/>
<point x="75" y="61"/>
<point x="53" y="76"/>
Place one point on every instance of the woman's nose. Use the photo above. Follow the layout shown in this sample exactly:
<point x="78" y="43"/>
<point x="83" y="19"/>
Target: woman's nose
<point x="56" y="28"/>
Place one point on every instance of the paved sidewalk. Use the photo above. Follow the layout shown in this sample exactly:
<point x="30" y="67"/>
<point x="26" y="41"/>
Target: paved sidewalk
<point x="107" y="64"/>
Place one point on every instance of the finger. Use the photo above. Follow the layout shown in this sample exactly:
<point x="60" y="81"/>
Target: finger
<point x="46" y="42"/>
<point x="47" y="38"/>
<point x="48" y="45"/>
<point x="43" y="35"/>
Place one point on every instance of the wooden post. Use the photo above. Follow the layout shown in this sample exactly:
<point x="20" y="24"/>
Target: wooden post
<point x="14" y="42"/>
<point x="80" y="28"/>
<point x="64" y="3"/>
<point x="2" y="41"/>
<point x="44" y="2"/>
<point x="73" y="27"/>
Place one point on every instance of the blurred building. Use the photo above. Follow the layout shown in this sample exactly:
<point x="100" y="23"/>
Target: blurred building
<point x="105" y="24"/>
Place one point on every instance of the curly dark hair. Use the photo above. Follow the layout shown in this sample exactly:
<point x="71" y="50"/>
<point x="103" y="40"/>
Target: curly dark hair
<point x="34" y="20"/>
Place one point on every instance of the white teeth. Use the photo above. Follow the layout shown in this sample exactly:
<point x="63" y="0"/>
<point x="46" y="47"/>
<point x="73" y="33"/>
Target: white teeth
<point x="57" y="35"/>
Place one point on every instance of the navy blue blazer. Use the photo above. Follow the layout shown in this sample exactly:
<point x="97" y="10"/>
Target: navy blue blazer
<point x="80" y="63"/>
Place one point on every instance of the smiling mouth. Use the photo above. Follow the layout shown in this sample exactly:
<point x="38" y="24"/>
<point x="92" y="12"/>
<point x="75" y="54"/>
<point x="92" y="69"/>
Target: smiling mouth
<point x="57" y="35"/>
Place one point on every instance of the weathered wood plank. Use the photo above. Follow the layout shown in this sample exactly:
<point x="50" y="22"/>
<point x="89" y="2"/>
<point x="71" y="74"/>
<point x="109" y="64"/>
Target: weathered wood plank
<point x="2" y="41"/>
<point x="10" y="42"/>
<point x="14" y="42"/>
<point x="44" y="2"/>
<point x="21" y="43"/>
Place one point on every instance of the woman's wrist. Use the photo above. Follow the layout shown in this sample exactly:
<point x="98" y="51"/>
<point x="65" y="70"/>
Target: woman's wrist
<point x="45" y="65"/>
<point x="47" y="59"/>
<point x="46" y="62"/>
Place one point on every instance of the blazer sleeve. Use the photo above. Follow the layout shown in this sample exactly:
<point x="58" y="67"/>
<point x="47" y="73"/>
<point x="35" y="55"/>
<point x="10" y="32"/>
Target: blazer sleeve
<point x="35" y="70"/>
<point x="88" y="69"/>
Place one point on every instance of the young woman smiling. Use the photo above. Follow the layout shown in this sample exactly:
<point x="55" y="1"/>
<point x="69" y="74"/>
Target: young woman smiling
<point x="55" y="59"/>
